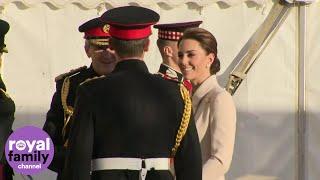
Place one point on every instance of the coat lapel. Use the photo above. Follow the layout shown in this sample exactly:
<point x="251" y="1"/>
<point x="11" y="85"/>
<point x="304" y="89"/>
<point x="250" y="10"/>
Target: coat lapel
<point x="200" y="102"/>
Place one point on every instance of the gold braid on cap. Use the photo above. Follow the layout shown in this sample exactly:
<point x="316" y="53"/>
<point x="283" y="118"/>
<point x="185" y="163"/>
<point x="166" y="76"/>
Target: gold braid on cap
<point x="68" y="110"/>
<point x="185" y="118"/>
<point x="99" y="42"/>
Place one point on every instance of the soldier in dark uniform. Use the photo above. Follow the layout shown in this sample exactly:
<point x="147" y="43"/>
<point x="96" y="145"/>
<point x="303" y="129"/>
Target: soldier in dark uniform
<point x="132" y="124"/>
<point x="57" y="123"/>
<point x="7" y="109"/>
<point x="168" y="36"/>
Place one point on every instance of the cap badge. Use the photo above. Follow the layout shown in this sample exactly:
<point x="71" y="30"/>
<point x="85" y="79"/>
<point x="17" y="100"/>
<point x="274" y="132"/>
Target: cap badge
<point x="106" y="28"/>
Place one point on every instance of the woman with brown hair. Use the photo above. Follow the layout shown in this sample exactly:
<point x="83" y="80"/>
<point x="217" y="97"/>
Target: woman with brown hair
<point x="213" y="107"/>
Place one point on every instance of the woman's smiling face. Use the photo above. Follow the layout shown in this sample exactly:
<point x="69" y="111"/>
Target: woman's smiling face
<point x="194" y="61"/>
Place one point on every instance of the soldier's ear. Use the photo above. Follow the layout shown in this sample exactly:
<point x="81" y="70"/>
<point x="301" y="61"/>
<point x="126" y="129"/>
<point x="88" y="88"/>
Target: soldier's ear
<point x="168" y="51"/>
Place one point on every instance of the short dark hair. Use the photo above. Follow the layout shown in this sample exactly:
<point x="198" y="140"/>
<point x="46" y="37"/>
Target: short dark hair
<point x="128" y="48"/>
<point x="161" y="43"/>
<point x="207" y="41"/>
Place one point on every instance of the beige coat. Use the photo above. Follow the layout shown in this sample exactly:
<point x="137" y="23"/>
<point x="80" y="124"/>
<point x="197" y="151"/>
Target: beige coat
<point x="215" y="117"/>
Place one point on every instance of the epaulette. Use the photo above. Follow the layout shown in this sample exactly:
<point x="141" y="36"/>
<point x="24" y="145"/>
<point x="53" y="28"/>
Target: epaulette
<point x="90" y="79"/>
<point x="73" y="71"/>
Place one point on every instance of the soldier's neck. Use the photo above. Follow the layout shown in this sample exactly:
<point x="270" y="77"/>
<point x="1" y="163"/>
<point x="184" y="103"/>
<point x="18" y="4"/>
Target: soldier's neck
<point x="171" y="64"/>
<point x="130" y="58"/>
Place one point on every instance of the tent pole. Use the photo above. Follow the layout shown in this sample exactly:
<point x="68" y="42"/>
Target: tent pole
<point x="302" y="141"/>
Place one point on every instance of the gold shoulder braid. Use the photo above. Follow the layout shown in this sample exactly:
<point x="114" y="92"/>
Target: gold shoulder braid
<point x="68" y="110"/>
<point x="185" y="118"/>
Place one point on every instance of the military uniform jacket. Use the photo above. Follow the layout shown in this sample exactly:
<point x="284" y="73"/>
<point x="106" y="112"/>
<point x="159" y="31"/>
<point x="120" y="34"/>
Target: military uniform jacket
<point x="7" y="109"/>
<point x="56" y="116"/>
<point x="130" y="113"/>
<point x="169" y="73"/>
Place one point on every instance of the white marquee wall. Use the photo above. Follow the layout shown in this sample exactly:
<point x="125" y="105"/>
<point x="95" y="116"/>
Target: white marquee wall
<point x="313" y="91"/>
<point x="43" y="42"/>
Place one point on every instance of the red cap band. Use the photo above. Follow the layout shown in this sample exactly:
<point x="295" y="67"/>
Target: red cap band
<point x="96" y="32"/>
<point x="130" y="34"/>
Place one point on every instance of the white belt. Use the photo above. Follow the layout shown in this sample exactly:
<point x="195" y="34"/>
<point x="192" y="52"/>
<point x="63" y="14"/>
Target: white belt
<point x="131" y="164"/>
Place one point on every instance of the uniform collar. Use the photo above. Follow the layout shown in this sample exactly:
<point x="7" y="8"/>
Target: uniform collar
<point x="131" y="65"/>
<point x="203" y="89"/>
<point x="91" y="71"/>
<point x="169" y="73"/>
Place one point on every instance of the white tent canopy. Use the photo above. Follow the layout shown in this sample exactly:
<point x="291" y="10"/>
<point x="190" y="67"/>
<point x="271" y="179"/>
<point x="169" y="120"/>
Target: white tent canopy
<point x="92" y="4"/>
<point x="43" y="42"/>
